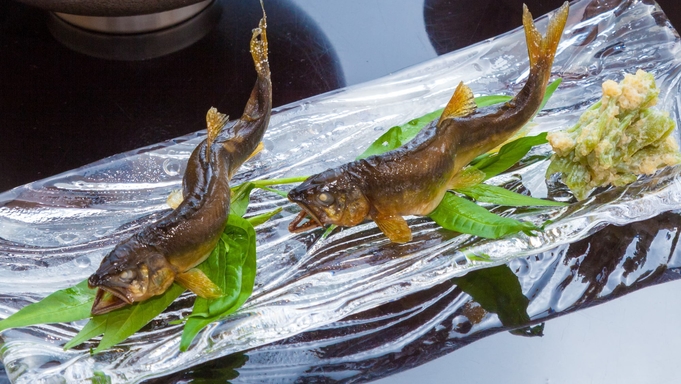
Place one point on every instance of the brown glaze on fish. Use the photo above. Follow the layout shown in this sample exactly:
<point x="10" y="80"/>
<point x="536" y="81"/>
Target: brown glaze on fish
<point x="412" y="179"/>
<point x="147" y="263"/>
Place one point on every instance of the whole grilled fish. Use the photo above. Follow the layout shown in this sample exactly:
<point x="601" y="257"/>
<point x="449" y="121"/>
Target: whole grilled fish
<point x="412" y="179"/>
<point x="147" y="263"/>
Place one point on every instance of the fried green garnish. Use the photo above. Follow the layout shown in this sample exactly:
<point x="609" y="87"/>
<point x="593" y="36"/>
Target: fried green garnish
<point x="617" y="139"/>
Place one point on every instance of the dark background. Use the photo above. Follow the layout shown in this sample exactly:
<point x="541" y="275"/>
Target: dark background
<point x="60" y="109"/>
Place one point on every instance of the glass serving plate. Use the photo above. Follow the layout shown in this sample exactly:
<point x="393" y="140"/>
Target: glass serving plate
<point x="54" y="232"/>
<point x="520" y="296"/>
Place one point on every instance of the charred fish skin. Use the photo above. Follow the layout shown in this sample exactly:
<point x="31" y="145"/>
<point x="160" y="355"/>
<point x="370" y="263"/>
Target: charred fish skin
<point x="147" y="263"/>
<point x="412" y="179"/>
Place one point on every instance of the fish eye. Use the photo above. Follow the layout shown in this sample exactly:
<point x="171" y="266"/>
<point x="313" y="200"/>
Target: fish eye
<point x="127" y="276"/>
<point x="326" y="198"/>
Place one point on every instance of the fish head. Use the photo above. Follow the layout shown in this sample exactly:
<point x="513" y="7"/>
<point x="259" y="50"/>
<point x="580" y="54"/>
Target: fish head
<point x="331" y="197"/>
<point x="130" y="273"/>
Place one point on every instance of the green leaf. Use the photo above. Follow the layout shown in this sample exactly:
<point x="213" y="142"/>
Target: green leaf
<point x="242" y="236"/>
<point x="260" y="219"/>
<point x="512" y="152"/>
<point x="458" y="214"/>
<point x="224" y="266"/>
<point x="123" y="323"/>
<point x="241" y="195"/>
<point x="286" y="180"/>
<point x="509" y="154"/>
<point x="276" y="191"/>
<point x="224" y="272"/>
<point x="119" y="324"/>
<point x="486" y="101"/>
<point x="63" y="306"/>
<point x="100" y="377"/>
<point x="549" y="92"/>
<point x="92" y="329"/>
<point x="400" y="134"/>
<point x="328" y="231"/>
<point x="502" y="196"/>
<point x="479" y="257"/>
<point x="497" y="290"/>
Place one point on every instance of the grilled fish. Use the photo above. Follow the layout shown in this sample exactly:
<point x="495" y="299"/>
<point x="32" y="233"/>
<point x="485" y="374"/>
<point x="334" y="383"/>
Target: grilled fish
<point x="412" y="179"/>
<point x="147" y="263"/>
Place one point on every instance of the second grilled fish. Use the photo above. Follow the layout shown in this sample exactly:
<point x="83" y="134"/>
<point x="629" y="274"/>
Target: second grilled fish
<point x="412" y="179"/>
<point x="147" y="263"/>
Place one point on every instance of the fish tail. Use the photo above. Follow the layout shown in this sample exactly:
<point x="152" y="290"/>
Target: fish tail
<point x="251" y="127"/>
<point x="542" y="49"/>
<point x="259" y="46"/>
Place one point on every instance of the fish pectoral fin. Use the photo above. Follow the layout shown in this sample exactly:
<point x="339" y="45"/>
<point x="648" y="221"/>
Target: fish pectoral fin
<point x="394" y="227"/>
<point x="214" y="123"/>
<point x="461" y="104"/>
<point x="197" y="281"/>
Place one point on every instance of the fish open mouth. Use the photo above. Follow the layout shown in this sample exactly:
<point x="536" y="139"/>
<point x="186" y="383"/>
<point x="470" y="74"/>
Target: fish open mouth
<point x="297" y="225"/>
<point x="107" y="300"/>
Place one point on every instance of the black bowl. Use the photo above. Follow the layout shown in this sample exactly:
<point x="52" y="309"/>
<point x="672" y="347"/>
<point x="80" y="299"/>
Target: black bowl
<point x="109" y="7"/>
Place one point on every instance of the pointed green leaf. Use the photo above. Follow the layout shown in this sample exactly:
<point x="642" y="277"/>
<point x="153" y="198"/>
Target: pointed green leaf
<point x="260" y="219"/>
<point x="497" y="290"/>
<point x="224" y="268"/>
<point x="192" y="327"/>
<point x="92" y="329"/>
<point x="100" y="377"/>
<point x="509" y="154"/>
<point x="486" y="101"/>
<point x="549" y="92"/>
<point x="241" y="195"/>
<point x="63" y="306"/>
<point x="328" y="230"/>
<point x="276" y="191"/>
<point x="502" y="196"/>
<point x="458" y="214"/>
<point x="124" y="322"/>
<point x="398" y="135"/>
<point x="286" y="180"/>
<point x="241" y="237"/>
<point x="478" y="257"/>
<point x="550" y="89"/>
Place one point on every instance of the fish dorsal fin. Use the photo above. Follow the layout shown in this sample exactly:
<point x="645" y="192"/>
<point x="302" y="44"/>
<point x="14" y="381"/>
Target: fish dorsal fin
<point x="461" y="104"/>
<point x="214" y="123"/>
<point x="197" y="281"/>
